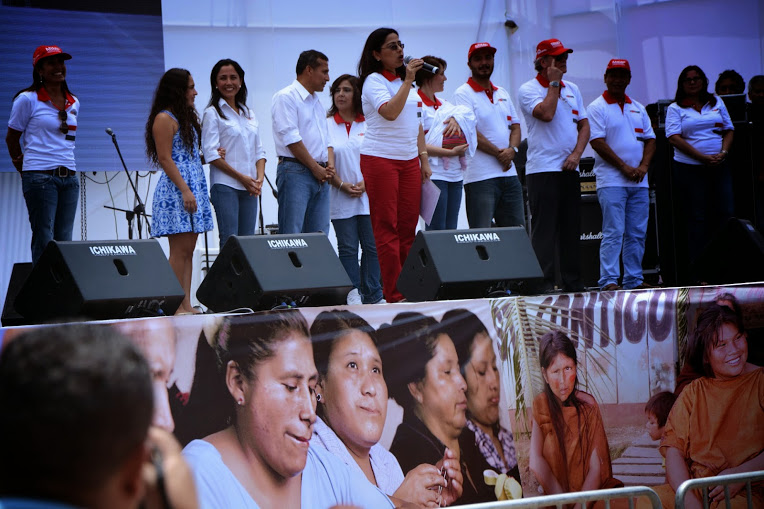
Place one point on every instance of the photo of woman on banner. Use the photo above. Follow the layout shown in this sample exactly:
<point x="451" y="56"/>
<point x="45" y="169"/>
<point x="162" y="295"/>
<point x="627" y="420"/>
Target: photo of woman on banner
<point x="429" y="386"/>
<point x="569" y="449"/>
<point x="352" y="407"/>
<point x="264" y="458"/>
<point x="716" y="426"/>
<point x="479" y="369"/>
<point x="157" y="341"/>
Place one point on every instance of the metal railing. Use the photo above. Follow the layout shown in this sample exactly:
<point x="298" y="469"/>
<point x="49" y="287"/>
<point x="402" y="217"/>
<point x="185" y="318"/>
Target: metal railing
<point x="719" y="480"/>
<point x="562" y="499"/>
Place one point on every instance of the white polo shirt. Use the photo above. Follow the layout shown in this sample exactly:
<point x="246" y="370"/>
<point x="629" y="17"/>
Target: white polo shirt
<point x="298" y="115"/>
<point x="495" y="115"/>
<point x="550" y="143"/>
<point x="428" y="110"/>
<point x="625" y="131"/>
<point x="239" y="135"/>
<point x="45" y="146"/>
<point x="391" y="139"/>
<point x="701" y="129"/>
<point x="345" y="138"/>
<point x="452" y="170"/>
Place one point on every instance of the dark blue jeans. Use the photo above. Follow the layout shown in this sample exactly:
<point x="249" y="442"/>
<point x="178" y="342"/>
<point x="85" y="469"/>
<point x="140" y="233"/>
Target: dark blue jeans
<point x="236" y="211"/>
<point x="303" y="200"/>
<point x="499" y="198"/>
<point x="350" y="233"/>
<point x="446" y="215"/>
<point x="52" y="204"/>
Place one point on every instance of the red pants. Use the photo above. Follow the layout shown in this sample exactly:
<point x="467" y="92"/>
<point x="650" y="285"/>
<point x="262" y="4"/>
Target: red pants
<point x="395" y="191"/>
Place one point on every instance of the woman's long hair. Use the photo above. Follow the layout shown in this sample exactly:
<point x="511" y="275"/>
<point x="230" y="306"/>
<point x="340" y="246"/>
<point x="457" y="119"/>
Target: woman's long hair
<point x="37" y="83"/>
<point x="550" y="345"/>
<point x="241" y="95"/>
<point x="368" y="64"/>
<point x="357" y="108"/>
<point x="705" y="96"/>
<point x="171" y="95"/>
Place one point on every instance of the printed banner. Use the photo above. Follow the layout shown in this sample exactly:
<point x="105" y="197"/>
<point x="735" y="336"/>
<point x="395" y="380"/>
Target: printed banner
<point x="467" y="375"/>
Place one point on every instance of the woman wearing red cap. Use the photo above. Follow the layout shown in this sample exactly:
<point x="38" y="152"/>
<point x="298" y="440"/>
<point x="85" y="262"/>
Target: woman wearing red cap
<point x="46" y="114"/>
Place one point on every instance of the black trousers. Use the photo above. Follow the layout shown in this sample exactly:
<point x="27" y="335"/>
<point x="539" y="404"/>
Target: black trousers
<point x="555" y="203"/>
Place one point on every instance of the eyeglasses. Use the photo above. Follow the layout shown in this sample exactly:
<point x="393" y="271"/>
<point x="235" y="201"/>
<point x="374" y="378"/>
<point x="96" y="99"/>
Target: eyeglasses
<point x="693" y="79"/>
<point x="394" y="45"/>
<point x="561" y="58"/>
<point x="64" y="127"/>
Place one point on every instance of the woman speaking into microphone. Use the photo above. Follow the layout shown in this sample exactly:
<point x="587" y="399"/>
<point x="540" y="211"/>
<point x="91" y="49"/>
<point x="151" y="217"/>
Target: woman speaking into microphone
<point x="393" y="156"/>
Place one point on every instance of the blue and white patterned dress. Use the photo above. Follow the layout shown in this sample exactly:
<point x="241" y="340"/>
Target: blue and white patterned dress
<point x="168" y="216"/>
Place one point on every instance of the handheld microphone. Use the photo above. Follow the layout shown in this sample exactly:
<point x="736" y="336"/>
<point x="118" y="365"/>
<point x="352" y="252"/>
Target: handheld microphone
<point x="109" y="131"/>
<point x="427" y="67"/>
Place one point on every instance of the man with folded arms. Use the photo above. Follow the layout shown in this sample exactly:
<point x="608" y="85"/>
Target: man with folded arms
<point x="624" y="142"/>
<point x="301" y="138"/>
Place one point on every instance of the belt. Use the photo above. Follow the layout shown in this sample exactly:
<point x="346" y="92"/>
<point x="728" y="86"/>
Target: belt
<point x="59" y="171"/>
<point x="295" y="160"/>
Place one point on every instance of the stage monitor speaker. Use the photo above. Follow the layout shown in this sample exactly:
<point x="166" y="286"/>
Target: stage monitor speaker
<point x="19" y="275"/>
<point x="265" y="271"/>
<point x="100" y="279"/>
<point x="734" y="255"/>
<point x="465" y="264"/>
<point x="589" y="241"/>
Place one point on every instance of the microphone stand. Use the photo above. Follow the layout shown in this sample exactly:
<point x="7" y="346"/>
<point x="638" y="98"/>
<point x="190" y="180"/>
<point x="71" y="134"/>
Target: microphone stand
<point x="260" y="215"/>
<point x="129" y="215"/>
<point x="140" y="208"/>
<point x="273" y="189"/>
<point x="275" y="195"/>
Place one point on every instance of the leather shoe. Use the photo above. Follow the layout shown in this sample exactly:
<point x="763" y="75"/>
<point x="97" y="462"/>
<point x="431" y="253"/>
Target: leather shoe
<point x="610" y="287"/>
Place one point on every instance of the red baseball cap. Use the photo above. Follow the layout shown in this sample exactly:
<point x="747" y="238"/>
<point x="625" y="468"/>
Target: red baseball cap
<point x="618" y="63"/>
<point x="48" y="51"/>
<point x="480" y="46"/>
<point x="552" y="47"/>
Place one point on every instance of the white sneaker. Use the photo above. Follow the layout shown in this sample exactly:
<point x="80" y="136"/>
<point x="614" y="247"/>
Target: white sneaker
<point x="354" y="298"/>
<point x="381" y="301"/>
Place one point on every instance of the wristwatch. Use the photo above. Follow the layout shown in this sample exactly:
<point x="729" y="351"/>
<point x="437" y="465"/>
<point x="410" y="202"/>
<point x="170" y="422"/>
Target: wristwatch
<point x="555" y="84"/>
<point x="514" y="148"/>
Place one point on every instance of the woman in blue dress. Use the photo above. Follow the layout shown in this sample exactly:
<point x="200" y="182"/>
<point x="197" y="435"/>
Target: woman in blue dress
<point x="181" y="208"/>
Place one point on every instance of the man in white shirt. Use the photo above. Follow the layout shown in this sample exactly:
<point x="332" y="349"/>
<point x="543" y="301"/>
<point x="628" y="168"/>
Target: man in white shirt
<point x="624" y="142"/>
<point x="558" y="131"/>
<point x="302" y="140"/>
<point x="491" y="187"/>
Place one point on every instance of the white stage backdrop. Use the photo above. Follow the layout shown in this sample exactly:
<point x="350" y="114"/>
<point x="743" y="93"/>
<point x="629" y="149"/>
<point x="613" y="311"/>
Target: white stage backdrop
<point x="266" y="36"/>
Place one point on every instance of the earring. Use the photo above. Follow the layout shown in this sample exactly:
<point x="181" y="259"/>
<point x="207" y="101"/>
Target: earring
<point x="240" y="402"/>
<point x="318" y="397"/>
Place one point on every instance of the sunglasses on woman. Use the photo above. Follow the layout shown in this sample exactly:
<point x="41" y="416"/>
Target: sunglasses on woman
<point x="394" y="45"/>
<point x="64" y="127"/>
